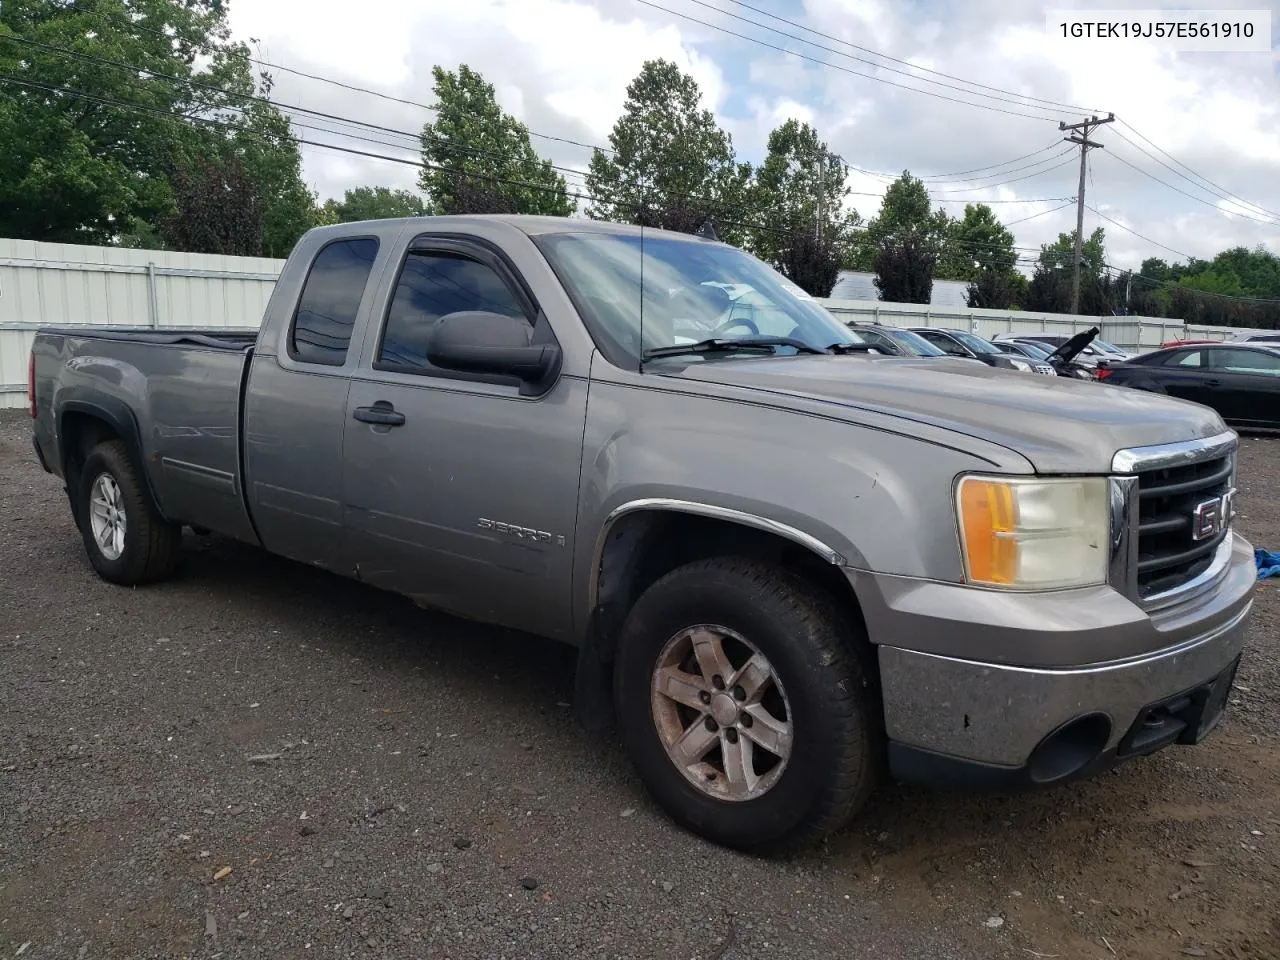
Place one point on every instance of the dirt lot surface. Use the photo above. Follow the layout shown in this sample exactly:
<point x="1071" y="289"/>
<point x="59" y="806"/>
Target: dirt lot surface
<point x="261" y="760"/>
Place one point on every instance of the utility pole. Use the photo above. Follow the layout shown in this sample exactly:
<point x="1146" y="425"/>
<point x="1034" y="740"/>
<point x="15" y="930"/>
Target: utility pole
<point x="822" y="186"/>
<point x="1082" y="138"/>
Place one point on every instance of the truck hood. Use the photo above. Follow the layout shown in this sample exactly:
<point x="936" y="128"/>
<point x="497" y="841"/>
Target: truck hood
<point x="1060" y="425"/>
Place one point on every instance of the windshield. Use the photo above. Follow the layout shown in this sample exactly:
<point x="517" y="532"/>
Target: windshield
<point x="913" y="343"/>
<point x="1032" y="350"/>
<point x="1106" y="347"/>
<point x="693" y="290"/>
<point x="976" y="344"/>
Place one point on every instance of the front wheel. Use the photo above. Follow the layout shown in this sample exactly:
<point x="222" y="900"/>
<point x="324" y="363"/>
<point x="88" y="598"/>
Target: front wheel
<point x="127" y="539"/>
<point x="744" y="705"/>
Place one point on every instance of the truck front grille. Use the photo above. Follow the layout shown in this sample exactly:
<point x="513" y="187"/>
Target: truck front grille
<point x="1177" y="535"/>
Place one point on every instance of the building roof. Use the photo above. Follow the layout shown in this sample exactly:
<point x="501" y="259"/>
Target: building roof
<point x="851" y="285"/>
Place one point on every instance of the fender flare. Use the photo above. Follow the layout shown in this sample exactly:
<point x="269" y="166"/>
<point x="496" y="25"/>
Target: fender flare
<point x="117" y="415"/>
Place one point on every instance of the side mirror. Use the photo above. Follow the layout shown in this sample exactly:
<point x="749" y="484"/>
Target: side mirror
<point x="476" y="341"/>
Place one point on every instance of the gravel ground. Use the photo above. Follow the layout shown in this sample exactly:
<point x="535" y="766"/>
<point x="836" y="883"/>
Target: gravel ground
<point x="258" y="759"/>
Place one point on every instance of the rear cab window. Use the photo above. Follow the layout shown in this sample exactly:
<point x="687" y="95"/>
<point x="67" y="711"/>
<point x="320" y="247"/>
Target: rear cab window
<point x="330" y="300"/>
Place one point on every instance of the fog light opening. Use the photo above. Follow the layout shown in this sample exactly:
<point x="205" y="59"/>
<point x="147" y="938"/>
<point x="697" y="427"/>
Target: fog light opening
<point x="1070" y="748"/>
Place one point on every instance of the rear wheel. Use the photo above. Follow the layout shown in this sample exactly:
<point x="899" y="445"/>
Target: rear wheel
<point x="744" y="706"/>
<point x="127" y="540"/>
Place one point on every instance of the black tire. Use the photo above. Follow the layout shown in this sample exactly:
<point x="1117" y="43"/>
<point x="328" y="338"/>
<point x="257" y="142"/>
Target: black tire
<point x="813" y="646"/>
<point x="151" y="543"/>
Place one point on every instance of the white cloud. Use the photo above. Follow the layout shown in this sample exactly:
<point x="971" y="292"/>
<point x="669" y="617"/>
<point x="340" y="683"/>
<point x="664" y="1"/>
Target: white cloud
<point x="562" y="66"/>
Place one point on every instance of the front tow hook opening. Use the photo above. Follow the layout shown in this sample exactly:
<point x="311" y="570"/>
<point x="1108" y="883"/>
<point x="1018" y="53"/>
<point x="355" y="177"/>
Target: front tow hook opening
<point x="1069" y="749"/>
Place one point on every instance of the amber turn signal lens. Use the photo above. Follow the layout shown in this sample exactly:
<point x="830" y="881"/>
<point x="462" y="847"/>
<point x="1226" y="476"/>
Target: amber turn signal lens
<point x="989" y="520"/>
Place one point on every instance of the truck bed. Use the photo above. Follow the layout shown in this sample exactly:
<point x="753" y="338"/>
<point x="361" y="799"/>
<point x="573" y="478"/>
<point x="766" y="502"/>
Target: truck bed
<point x="178" y="391"/>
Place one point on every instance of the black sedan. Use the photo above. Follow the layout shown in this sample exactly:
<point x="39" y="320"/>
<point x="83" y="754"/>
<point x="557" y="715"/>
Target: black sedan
<point x="1239" y="380"/>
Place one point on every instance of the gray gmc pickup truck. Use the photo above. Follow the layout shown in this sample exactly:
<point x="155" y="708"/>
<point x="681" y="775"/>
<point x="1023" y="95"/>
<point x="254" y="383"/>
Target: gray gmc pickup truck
<point x="790" y="564"/>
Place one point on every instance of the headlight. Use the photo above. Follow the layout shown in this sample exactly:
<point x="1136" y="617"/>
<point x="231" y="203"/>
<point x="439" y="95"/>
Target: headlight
<point x="1019" y="364"/>
<point x="1034" y="534"/>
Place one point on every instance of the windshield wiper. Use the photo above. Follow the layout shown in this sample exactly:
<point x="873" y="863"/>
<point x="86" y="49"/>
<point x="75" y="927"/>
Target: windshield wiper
<point x="730" y="345"/>
<point x="852" y="348"/>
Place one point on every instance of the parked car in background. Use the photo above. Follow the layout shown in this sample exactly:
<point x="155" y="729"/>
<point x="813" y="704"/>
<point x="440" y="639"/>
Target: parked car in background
<point x="1096" y="352"/>
<point x="1240" y="381"/>
<point x="1257" y="336"/>
<point x="895" y="341"/>
<point x="1034" y="351"/>
<point x="961" y="343"/>
<point x="1181" y="343"/>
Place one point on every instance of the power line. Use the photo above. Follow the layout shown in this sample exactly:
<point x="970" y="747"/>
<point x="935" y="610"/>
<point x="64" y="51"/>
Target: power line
<point x="487" y="178"/>
<point x="988" y="202"/>
<point x="985" y="176"/>
<point x="1042" y="213"/>
<point x="1209" y="186"/>
<point x="1186" y="256"/>
<point x="1002" y="183"/>
<point x="207" y="47"/>
<point x="1168" y="284"/>
<point x="1207" y="203"/>
<point x="304" y="111"/>
<point x="849" y="56"/>
<point x="836" y="66"/>
<point x="885" y="56"/>
<point x="577" y="195"/>
<point x="947" y="176"/>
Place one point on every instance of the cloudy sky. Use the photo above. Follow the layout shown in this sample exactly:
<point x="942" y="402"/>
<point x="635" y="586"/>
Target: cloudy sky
<point x="1206" y="124"/>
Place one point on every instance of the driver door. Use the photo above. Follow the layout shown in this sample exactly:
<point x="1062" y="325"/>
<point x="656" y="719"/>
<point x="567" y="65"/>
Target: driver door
<point x="460" y="490"/>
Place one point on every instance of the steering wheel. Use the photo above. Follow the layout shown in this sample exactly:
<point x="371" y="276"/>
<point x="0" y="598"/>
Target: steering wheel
<point x="737" y="322"/>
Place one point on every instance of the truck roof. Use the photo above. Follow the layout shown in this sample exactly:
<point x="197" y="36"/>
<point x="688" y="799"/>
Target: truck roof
<point x="531" y="225"/>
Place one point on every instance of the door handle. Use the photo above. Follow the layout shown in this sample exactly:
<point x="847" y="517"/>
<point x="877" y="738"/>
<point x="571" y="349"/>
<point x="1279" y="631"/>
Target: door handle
<point x="1213" y="382"/>
<point x="381" y="413"/>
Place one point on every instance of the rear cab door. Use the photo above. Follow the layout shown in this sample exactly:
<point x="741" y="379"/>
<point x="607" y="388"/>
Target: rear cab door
<point x="467" y="499"/>
<point x="1249" y="385"/>
<point x="1183" y="374"/>
<point x="295" y="401"/>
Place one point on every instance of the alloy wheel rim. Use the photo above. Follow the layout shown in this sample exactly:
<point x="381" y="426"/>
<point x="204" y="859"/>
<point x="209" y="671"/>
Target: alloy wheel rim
<point x="107" y="518"/>
<point x="721" y="713"/>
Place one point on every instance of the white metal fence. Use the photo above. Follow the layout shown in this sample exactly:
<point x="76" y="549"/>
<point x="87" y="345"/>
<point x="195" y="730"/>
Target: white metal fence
<point x="62" y="284"/>
<point x="44" y="284"/>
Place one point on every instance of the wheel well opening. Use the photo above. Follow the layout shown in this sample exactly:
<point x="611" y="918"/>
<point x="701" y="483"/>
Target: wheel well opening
<point x="642" y="547"/>
<point x="81" y="432"/>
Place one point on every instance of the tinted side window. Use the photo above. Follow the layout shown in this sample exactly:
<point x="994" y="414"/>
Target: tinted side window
<point x="1246" y="361"/>
<point x="1189" y="359"/>
<point x="430" y="286"/>
<point x="945" y="344"/>
<point x="330" y="298"/>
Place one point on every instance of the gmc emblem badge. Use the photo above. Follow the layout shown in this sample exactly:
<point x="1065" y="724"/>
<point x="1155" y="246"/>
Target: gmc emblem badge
<point x="1210" y="517"/>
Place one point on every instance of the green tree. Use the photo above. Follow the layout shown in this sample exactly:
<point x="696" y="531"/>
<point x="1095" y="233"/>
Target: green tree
<point x="1051" y="283"/>
<point x="479" y="159"/>
<point x="670" y="165"/>
<point x="267" y="147"/>
<point x="800" y="176"/>
<point x="977" y="243"/>
<point x="908" y="238"/>
<point x="113" y="102"/>
<point x="979" y="249"/>
<point x="83" y="170"/>
<point x="373" y="203"/>
<point x="810" y="262"/>
<point x="217" y="209"/>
